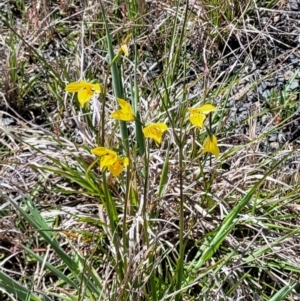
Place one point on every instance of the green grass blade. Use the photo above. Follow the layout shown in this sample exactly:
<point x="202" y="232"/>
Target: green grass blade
<point x="135" y="101"/>
<point x="283" y="292"/>
<point x="51" y="268"/>
<point x="14" y="288"/>
<point x="164" y="175"/>
<point x="212" y="243"/>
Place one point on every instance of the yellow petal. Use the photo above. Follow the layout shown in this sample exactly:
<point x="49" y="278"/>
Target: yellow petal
<point x="84" y="96"/>
<point x="85" y="90"/>
<point x="115" y="170"/>
<point x="124" y="116"/>
<point x="123" y="103"/>
<point x="109" y="157"/>
<point x="96" y="87"/>
<point x="197" y="119"/>
<point x="126" y="161"/>
<point x="117" y="167"/>
<point x="75" y="87"/>
<point x="207" y="108"/>
<point x="198" y="114"/>
<point x="210" y="145"/>
<point x="127" y="39"/>
<point x="101" y="151"/>
<point x="155" y="131"/>
<point x="108" y="160"/>
<point x="124" y="47"/>
<point x="161" y="126"/>
<point x="117" y="115"/>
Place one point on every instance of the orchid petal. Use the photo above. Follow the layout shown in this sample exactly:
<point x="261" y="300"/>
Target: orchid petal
<point x="210" y="145"/>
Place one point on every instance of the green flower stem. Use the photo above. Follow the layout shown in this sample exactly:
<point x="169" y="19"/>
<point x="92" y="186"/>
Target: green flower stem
<point x="180" y="261"/>
<point x="135" y="101"/>
<point x="144" y="216"/>
<point x="127" y="205"/>
<point x="103" y="101"/>
<point x="117" y="81"/>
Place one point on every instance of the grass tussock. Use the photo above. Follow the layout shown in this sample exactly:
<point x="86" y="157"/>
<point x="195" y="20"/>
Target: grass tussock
<point x="137" y="151"/>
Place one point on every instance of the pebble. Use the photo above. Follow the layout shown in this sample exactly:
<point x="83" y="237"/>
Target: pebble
<point x="274" y="145"/>
<point x="7" y="121"/>
<point x="266" y="94"/>
<point x="293" y="5"/>
<point x="272" y="137"/>
<point x="294" y="85"/>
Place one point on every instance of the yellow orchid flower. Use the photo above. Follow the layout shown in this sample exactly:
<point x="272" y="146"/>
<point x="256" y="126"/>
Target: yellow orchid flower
<point x="124" y="48"/>
<point x="197" y="116"/>
<point x="155" y="131"/>
<point x="111" y="160"/>
<point x="118" y="166"/>
<point x="210" y="145"/>
<point x="108" y="156"/>
<point x="125" y="113"/>
<point x="84" y="89"/>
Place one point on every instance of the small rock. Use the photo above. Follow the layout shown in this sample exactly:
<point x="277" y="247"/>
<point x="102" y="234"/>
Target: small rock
<point x="7" y="121"/>
<point x="281" y="138"/>
<point x="241" y="116"/>
<point x="262" y="87"/>
<point x="280" y="79"/>
<point x="266" y="118"/>
<point x="274" y="145"/>
<point x="273" y="137"/>
<point x="276" y="18"/>
<point x="266" y="93"/>
<point x="294" y="85"/>
<point x="293" y="6"/>
<point x="288" y="75"/>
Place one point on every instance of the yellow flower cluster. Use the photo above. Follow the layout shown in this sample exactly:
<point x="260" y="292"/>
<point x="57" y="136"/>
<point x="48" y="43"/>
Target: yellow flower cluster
<point x="109" y="158"/>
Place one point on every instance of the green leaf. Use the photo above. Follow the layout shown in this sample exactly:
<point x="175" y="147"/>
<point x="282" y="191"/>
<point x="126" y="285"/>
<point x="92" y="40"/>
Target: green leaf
<point x="283" y="292"/>
<point x="14" y="288"/>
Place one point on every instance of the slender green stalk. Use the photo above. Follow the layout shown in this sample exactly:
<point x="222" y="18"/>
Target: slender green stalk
<point x="135" y="101"/>
<point x="117" y="81"/>
<point x="181" y="226"/>
<point x="151" y="271"/>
